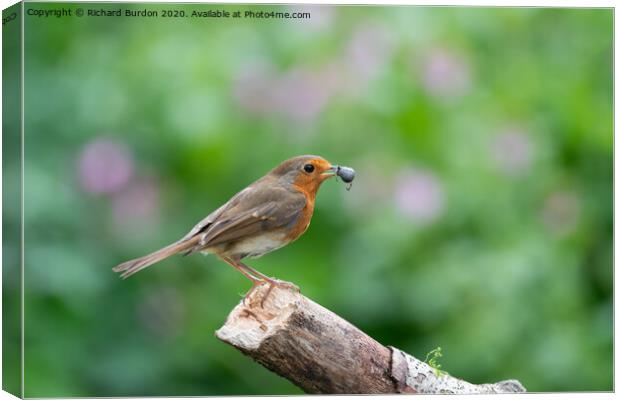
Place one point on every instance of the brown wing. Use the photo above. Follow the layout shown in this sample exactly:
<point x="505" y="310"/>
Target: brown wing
<point x="209" y="219"/>
<point x="260" y="210"/>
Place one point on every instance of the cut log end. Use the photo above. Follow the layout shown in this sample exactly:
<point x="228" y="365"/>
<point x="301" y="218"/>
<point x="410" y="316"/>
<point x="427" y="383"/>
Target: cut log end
<point x="248" y="326"/>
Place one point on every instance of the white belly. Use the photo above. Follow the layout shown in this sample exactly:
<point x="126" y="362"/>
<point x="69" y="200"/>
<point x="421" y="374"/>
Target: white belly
<point x="259" y="245"/>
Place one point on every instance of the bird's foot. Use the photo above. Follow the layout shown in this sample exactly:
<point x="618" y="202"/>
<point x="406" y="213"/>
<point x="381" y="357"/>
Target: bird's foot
<point x="273" y="282"/>
<point x="283" y="284"/>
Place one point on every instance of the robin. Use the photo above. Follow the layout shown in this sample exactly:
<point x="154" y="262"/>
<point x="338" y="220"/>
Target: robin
<point x="270" y="213"/>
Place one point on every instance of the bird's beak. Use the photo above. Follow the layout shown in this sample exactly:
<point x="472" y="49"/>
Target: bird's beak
<point x="331" y="171"/>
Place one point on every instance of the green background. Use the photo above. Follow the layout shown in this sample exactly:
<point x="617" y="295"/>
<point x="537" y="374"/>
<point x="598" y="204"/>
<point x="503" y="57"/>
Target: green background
<point x="480" y="220"/>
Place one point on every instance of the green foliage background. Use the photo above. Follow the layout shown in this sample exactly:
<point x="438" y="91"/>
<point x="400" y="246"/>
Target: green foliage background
<point x="480" y="221"/>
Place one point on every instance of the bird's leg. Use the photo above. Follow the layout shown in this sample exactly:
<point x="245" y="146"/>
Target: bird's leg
<point x="254" y="272"/>
<point x="256" y="282"/>
<point x="240" y="267"/>
<point x="272" y="281"/>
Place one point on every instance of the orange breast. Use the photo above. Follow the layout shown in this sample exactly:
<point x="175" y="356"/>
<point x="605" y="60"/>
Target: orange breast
<point x="304" y="218"/>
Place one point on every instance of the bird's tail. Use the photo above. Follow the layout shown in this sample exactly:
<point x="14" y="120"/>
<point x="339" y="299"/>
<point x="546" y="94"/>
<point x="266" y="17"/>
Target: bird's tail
<point x="130" y="267"/>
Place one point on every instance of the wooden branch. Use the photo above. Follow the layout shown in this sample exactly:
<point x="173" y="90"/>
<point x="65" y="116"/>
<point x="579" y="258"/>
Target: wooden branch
<point x="322" y="353"/>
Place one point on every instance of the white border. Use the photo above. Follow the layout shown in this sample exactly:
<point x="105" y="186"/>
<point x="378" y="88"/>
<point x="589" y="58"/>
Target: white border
<point x="478" y="3"/>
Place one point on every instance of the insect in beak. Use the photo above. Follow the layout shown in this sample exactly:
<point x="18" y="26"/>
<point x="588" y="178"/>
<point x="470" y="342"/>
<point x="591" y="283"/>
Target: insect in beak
<point x="345" y="173"/>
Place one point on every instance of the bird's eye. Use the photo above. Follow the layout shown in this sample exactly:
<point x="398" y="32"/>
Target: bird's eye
<point x="309" y="168"/>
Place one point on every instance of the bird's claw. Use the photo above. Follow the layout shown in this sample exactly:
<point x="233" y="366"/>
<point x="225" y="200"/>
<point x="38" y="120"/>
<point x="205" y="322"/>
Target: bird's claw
<point x="285" y="284"/>
<point x="272" y="282"/>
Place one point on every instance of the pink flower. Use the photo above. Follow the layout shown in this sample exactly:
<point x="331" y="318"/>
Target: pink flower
<point x="419" y="195"/>
<point x="303" y="92"/>
<point x="512" y="151"/>
<point x="300" y="94"/>
<point x="561" y="212"/>
<point x="138" y="201"/>
<point x="367" y="54"/>
<point x="445" y="74"/>
<point x="104" y="166"/>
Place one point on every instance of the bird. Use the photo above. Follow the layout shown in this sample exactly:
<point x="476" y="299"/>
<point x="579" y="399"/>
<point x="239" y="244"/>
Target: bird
<point x="268" y="214"/>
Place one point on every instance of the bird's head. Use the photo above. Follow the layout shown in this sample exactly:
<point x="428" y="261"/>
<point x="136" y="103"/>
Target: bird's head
<point x="308" y="172"/>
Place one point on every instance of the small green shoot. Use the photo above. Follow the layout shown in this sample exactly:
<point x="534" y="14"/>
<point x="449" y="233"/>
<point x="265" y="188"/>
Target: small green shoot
<point x="432" y="359"/>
